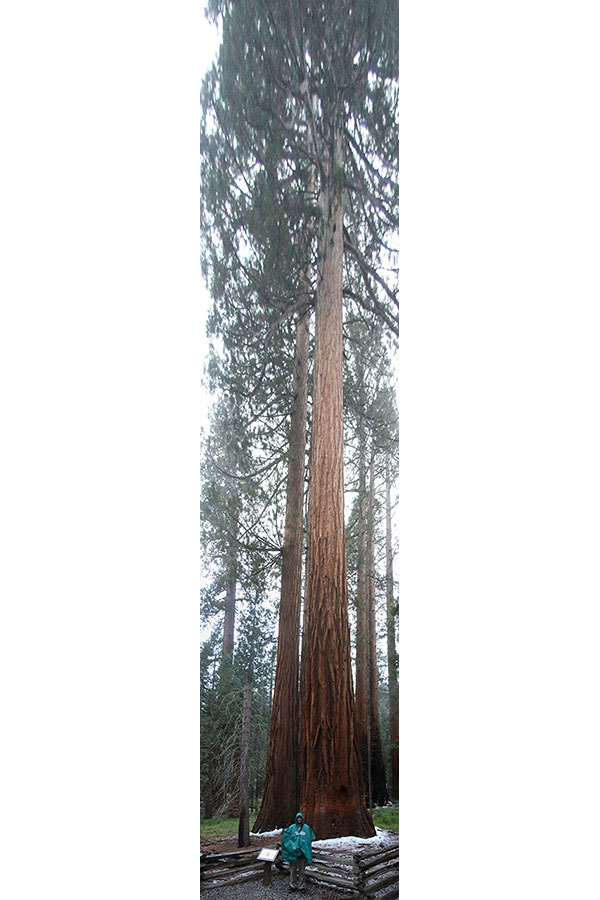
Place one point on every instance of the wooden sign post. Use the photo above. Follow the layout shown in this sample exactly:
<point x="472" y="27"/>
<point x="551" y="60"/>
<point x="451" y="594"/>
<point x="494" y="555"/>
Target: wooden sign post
<point x="269" y="856"/>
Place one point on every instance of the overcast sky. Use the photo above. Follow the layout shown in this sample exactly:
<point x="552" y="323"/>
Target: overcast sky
<point x="209" y="42"/>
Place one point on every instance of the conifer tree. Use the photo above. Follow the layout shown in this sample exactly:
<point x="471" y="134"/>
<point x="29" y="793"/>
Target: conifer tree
<point x="328" y="69"/>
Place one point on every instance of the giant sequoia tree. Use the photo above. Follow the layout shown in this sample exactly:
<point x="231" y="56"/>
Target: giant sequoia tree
<point x="300" y="129"/>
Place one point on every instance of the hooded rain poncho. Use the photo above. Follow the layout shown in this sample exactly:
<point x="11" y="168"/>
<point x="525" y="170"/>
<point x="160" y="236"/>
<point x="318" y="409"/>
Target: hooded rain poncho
<point x="296" y="843"/>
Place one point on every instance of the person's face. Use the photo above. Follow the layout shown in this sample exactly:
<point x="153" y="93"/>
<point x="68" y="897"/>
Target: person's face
<point x="299" y="820"/>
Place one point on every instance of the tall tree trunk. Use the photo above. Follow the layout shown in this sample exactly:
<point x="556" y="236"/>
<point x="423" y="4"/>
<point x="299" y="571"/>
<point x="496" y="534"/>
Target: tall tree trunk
<point x="378" y="786"/>
<point x="362" y="622"/>
<point x="332" y="792"/>
<point x="281" y="792"/>
<point x="244" y="810"/>
<point x="391" y="642"/>
<point x="306" y="590"/>
<point x="304" y="627"/>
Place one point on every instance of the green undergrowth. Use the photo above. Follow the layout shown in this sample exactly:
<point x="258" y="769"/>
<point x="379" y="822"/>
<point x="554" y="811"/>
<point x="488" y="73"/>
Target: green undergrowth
<point x="221" y="825"/>
<point x="386" y="818"/>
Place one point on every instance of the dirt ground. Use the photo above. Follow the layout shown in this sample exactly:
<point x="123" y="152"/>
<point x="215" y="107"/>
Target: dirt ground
<point x="227" y="843"/>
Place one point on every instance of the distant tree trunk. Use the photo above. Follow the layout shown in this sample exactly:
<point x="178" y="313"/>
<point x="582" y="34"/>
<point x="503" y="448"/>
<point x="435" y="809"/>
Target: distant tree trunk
<point x="332" y="792"/>
<point x="379" y="793"/>
<point x="271" y="678"/>
<point x="362" y="622"/>
<point x="244" y="811"/>
<point x="391" y="642"/>
<point x="208" y="796"/>
<point x="282" y="792"/>
<point x="229" y="623"/>
<point x="231" y="787"/>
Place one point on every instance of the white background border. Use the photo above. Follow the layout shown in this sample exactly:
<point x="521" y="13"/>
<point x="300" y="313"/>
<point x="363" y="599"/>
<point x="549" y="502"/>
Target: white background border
<point x="499" y="492"/>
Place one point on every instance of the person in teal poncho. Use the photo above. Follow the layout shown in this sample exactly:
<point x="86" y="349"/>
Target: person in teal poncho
<point x="296" y="849"/>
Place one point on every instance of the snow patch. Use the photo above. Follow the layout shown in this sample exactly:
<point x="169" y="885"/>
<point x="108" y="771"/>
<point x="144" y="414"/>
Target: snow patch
<point x="343" y="843"/>
<point x="351" y="842"/>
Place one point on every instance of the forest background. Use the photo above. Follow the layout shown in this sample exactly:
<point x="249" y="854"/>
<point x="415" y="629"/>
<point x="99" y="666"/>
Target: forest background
<point x="498" y="368"/>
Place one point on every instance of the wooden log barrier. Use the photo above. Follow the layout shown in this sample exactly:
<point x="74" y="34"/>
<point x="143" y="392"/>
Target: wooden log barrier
<point x="249" y="877"/>
<point x="337" y="880"/>
<point x="230" y="872"/>
<point x="391" y="895"/>
<point x="365" y="874"/>
<point x="384" y="856"/>
<point x="375" y="886"/>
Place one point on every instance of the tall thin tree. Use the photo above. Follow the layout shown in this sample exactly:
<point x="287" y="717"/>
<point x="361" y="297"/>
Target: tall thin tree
<point x="378" y="787"/>
<point x="332" y="792"/>
<point x="391" y="642"/>
<point x="281" y="791"/>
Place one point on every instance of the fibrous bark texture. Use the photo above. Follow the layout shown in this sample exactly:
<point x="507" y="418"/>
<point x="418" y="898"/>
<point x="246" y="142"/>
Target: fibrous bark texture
<point x="281" y="790"/>
<point x="332" y="792"/>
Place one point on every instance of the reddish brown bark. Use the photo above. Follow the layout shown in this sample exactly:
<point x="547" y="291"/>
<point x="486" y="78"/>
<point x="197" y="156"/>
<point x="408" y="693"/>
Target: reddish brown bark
<point x="332" y="791"/>
<point x="391" y="643"/>
<point x="304" y="630"/>
<point x="281" y="790"/>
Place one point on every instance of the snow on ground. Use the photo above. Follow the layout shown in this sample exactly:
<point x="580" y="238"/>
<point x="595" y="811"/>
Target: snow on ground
<point x="382" y="837"/>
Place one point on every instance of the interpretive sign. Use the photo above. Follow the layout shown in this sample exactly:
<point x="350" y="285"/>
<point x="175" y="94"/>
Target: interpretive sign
<point x="268" y="854"/>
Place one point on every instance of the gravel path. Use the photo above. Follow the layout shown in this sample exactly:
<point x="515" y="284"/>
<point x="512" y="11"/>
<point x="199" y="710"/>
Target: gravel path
<point x="279" y="888"/>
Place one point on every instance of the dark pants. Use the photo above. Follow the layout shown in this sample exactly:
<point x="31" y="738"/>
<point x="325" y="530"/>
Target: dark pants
<point x="297" y="872"/>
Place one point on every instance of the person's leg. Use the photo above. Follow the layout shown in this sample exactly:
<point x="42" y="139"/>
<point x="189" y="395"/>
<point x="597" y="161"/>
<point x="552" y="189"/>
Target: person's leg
<point x="301" y="865"/>
<point x="293" y="874"/>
